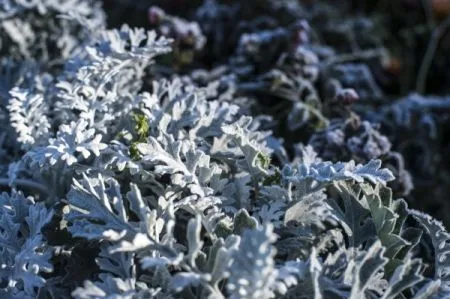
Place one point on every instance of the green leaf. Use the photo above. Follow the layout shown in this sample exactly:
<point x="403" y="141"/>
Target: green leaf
<point x="142" y="126"/>
<point x="242" y="221"/>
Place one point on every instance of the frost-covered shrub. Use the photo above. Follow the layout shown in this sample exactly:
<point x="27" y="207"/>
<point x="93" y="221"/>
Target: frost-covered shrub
<point x="123" y="182"/>
<point x="36" y="30"/>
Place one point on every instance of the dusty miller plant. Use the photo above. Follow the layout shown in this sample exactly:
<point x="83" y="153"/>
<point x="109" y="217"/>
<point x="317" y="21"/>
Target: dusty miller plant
<point x="118" y="189"/>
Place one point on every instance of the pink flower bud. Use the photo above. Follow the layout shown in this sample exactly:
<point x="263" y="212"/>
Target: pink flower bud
<point x="155" y="15"/>
<point x="347" y="96"/>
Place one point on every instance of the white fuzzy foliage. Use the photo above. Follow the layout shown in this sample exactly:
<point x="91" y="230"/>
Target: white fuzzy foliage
<point x="253" y="273"/>
<point x="172" y="191"/>
<point x="73" y="143"/>
<point x="27" y="113"/>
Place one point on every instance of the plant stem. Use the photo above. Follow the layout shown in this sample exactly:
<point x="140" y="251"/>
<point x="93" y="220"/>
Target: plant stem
<point x="26" y="183"/>
<point x="363" y="55"/>
<point x="428" y="13"/>
<point x="438" y="32"/>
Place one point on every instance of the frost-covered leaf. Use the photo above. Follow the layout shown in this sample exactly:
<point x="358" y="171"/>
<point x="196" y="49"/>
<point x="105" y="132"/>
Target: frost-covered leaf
<point x="252" y="272"/>
<point x="112" y="288"/>
<point x="312" y="177"/>
<point x="256" y="156"/>
<point x="117" y="279"/>
<point x="28" y="116"/>
<point x="190" y="170"/>
<point x="348" y="273"/>
<point x="131" y="43"/>
<point x="73" y="143"/>
<point x="24" y="253"/>
<point x="360" y="227"/>
<point x="169" y="160"/>
<point x="429" y="289"/>
<point x="219" y="259"/>
<point x="97" y="210"/>
<point x="440" y="241"/>
<point x="103" y="85"/>
<point x="193" y="237"/>
<point x="311" y="209"/>
<point x="405" y="277"/>
<point x="366" y="272"/>
<point x="389" y="217"/>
